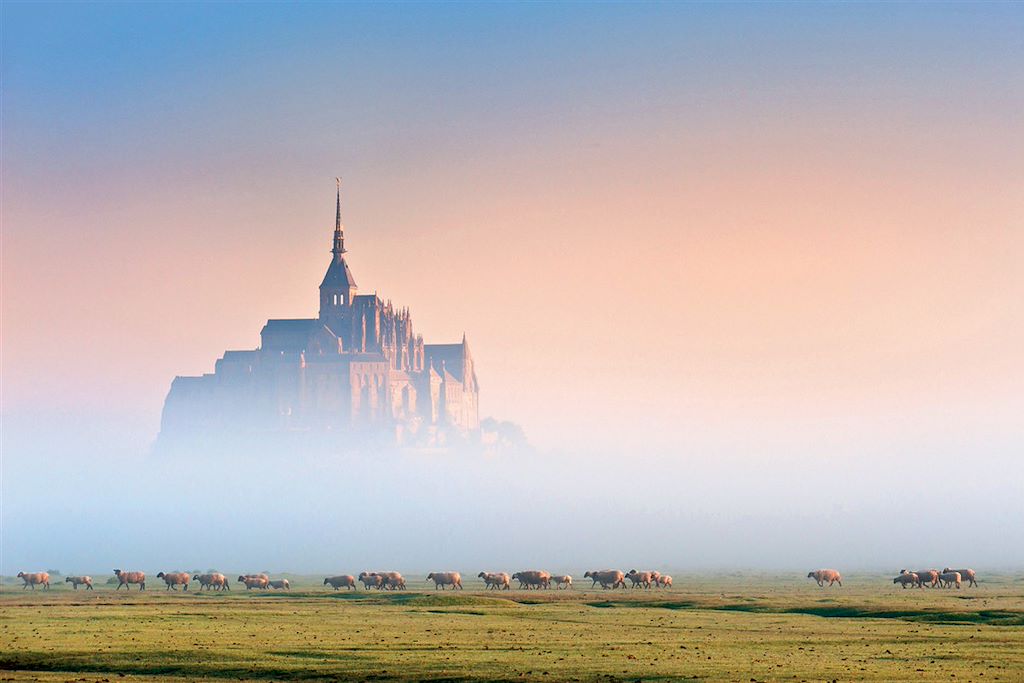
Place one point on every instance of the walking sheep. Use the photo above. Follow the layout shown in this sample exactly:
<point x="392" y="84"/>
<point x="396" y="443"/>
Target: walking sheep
<point x="948" y="579"/>
<point x="562" y="581"/>
<point x="965" y="574"/>
<point x="532" y="579"/>
<point x="126" y="579"/>
<point x="251" y="581"/>
<point x="75" y="581"/>
<point x="175" y="579"/>
<point x="280" y="584"/>
<point x="495" y="580"/>
<point x="608" y="578"/>
<point x="345" y="580"/>
<point x="41" y="578"/>
<point x="823" y="575"/>
<point x="442" y="579"/>
<point x="906" y="577"/>
<point x="371" y="580"/>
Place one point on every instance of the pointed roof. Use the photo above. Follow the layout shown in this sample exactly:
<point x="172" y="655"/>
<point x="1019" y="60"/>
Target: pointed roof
<point x="338" y="274"/>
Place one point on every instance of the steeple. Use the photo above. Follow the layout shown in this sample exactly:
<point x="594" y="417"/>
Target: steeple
<point x="339" y="232"/>
<point x="338" y="288"/>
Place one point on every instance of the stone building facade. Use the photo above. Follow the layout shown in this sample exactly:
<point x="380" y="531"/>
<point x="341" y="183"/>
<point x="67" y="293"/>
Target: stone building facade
<point x="359" y="369"/>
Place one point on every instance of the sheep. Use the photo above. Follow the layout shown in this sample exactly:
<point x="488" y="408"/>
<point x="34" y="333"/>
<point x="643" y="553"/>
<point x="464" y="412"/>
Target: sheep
<point x="496" y="580"/>
<point x="215" y="581"/>
<point x="75" y="581"/>
<point x="655" y="575"/>
<point x="608" y="578"/>
<point x="562" y="581"/>
<point x="929" y="576"/>
<point x="126" y="579"/>
<point x="533" y="579"/>
<point x="392" y="581"/>
<point x="41" y="578"/>
<point x="965" y="574"/>
<point x="948" y="578"/>
<point x="175" y="579"/>
<point x="254" y="581"/>
<point x="371" y="580"/>
<point x="280" y="584"/>
<point x="337" y="582"/>
<point x="639" y="578"/>
<point x="442" y="579"/>
<point x="664" y="581"/>
<point x="906" y="577"/>
<point x="823" y="575"/>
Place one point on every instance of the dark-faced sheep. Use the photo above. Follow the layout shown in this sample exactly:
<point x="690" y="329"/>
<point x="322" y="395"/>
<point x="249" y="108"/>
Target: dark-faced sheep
<point x="126" y="579"/>
<point x="251" y="581"/>
<point x="533" y="579"/>
<point x="639" y="578"/>
<point x="175" y="579"/>
<point x="906" y="578"/>
<point x="608" y="578"/>
<point x="823" y="575"/>
<point x="39" y="578"/>
<point x="342" y="581"/>
<point x="77" y="581"/>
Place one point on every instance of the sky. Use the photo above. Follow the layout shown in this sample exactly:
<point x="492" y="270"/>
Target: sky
<point x="754" y="269"/>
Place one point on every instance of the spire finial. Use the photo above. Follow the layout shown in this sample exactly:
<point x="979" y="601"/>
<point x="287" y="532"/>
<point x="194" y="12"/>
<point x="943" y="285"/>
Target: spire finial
<point x="337" y="217"/>
<point x="339" y="234"/>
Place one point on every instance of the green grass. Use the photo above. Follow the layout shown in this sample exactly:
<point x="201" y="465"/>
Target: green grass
<point x="737" y="628"/>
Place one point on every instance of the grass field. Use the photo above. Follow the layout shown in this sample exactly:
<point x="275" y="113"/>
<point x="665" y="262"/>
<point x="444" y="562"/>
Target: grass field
<point x="736" y="628"/>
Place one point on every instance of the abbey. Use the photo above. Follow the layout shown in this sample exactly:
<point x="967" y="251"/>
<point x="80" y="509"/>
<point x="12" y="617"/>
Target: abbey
<point x="358" y="369"/>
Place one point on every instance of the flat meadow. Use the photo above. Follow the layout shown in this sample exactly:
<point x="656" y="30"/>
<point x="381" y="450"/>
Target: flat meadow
<point x="737" y="627"/>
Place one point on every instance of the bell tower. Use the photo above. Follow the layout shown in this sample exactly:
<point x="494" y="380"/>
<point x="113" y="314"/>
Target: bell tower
<point x="338" y="288"/>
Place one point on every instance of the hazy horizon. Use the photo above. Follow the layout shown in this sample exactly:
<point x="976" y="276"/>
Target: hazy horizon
<point x="748" y="276"/>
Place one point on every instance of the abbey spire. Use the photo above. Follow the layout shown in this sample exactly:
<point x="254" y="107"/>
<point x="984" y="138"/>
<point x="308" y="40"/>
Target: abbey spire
<point x="338" y="287"/>
<point x="339" y="229"/>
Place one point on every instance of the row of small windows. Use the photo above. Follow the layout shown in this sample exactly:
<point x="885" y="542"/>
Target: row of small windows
<point x="337" y="299"/>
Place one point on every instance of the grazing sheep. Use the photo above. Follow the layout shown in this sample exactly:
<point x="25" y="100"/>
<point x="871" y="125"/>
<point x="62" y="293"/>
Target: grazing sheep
<point x="639" y="578"/>
<point x="823" y="575"/>
<point x="495" y="580"/>
<point x="608" y="578"/>
<point x="906" y="577"/>
<point x="346" y="580"/>
<point x="41" y="578"/>
<point x="215" y="581"/>
<point x="280" y="584"/>
<point x="127" y="578"/>
<point x="75" y="581"/>
<point x="392" y="581"/>
<point x="665" y="581"/>
<point x="965" y="574"/>
<point x="175" y="579"/>
<point x="254" y="581"/>
<point x="533" y="579"/>
<point x="442" y="579"/>
<point x="371" y="580"/>
<point x="947" y="579"/>
<point x="562" y="581"/>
